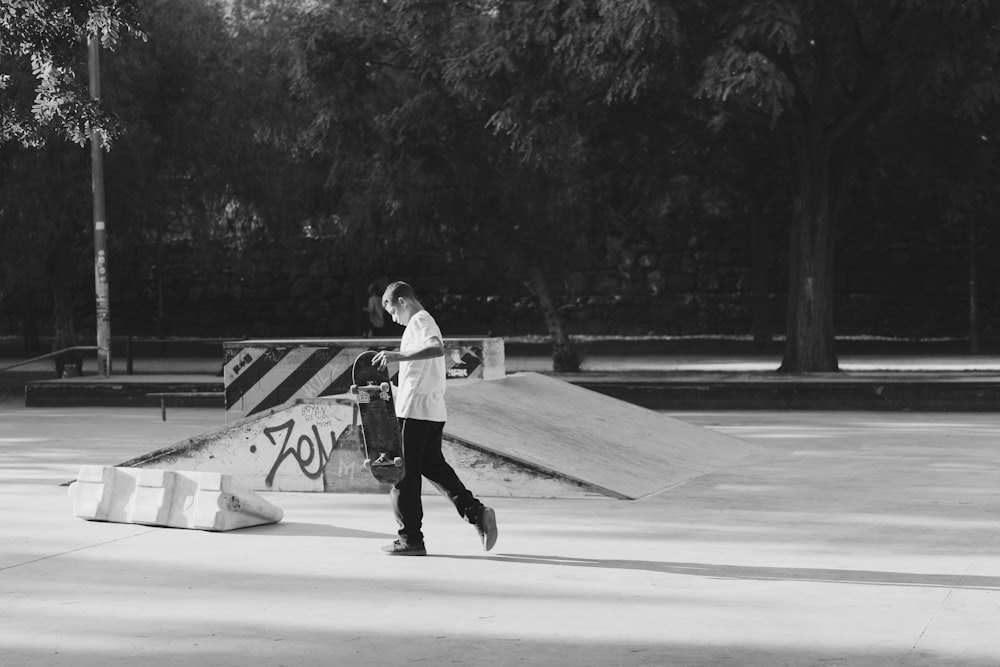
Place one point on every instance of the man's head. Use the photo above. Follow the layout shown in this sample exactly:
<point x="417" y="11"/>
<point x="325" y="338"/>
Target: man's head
<point x="400" y="301"/>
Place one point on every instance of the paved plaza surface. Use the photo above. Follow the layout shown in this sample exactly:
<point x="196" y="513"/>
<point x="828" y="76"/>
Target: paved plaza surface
<point x="846" y="538"/>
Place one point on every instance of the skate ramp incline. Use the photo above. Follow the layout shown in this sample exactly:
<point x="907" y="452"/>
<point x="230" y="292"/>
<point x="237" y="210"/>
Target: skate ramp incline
<point x="525" y="435"/>
<point x="288" y="448"/>
<point x="316" y="445"/>
<point x="556" y="428"/>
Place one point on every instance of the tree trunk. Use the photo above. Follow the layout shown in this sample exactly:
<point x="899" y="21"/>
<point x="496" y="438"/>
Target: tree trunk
<point x="161" y="315"/>
<point x="564" y="357"/>
<point x="973" y="287"/>
<point x="810" y="345"/>
<point x="761" y="325"/>
<point x="62" y="314"/>
<point x="29" y="321"/>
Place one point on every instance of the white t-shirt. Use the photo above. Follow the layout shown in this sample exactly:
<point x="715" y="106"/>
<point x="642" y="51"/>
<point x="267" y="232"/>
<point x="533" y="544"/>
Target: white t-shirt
<point x="421" y="383"/>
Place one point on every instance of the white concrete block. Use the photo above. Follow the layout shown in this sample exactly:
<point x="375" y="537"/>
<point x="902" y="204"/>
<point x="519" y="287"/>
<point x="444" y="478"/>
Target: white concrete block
<point x="169" y="498"/>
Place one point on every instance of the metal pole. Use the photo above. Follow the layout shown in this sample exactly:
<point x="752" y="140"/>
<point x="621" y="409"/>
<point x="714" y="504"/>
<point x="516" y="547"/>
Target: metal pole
<point x="100" y="232"/>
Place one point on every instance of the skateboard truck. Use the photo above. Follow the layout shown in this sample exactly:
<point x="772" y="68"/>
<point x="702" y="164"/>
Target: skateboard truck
<point x="383" y="388"/>
<point x="364" y="393"/>
<point x="384" y="460"/>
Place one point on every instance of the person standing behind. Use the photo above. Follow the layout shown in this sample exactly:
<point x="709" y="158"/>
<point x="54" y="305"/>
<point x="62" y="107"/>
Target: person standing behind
<point x="376" y="320"/>
<point x="421" y="410"/>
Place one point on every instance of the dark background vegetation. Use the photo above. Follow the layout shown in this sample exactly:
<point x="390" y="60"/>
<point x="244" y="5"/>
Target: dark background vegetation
<point x="799" y="170"/>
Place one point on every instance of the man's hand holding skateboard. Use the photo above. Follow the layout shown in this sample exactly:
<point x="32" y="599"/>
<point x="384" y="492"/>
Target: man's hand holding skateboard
<point x="384" y="358"/>
<point x="434" y="349"/>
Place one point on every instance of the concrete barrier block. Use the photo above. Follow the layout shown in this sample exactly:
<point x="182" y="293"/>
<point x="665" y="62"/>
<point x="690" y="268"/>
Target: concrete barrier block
<point x="169" y="498"/>
<point x="152" y="498"/>
<point x="88" y="492"/>
<point x="101" y="493"/>
<point x="207" y="503"/>
<point x="183" y="499"/>
<point x="221" y="504"/>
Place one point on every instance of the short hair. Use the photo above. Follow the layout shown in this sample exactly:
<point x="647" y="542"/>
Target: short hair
<point x="398" y="289"/>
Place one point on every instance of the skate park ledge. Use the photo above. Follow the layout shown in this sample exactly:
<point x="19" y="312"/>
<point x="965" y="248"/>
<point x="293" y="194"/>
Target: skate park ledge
<point x="655" y="372"/>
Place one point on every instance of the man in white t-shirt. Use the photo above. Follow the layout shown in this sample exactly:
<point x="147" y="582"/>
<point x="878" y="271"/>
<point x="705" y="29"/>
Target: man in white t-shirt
<point x="421" y="410"/>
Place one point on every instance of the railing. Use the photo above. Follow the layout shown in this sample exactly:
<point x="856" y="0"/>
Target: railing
<point x="129" y="341"/>
<point x="50" y="355"/>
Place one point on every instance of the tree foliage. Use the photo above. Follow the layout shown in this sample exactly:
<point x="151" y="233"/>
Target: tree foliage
<point x="45" y="97"/>
<point x="831" y="78"/>
<point x="40" y="53"/>
<point x="479" y="120"/>
<point x="524" y="132"/>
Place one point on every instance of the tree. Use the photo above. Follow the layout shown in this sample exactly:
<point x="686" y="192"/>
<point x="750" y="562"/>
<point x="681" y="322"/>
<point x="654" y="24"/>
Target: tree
<point x="173" y="171"/>
<point x="827" y="77"/>
<point x="553" y="81"/>
<point x="42" y="98"/>
<point x="487" y="117"/>
<point x="46" y="38"/>
<point x="45" y="194"/>
<point x="354" y="131"/>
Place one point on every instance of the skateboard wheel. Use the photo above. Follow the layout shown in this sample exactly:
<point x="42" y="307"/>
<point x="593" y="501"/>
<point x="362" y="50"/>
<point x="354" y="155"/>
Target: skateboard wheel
<point x="398" y="462"/>
<point x="384" y="387"/>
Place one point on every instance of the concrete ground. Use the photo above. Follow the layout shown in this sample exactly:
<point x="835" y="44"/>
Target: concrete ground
<point x="846" y="539"/>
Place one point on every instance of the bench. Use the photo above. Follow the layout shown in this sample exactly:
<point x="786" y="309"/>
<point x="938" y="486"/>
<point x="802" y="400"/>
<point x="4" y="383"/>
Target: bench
<point x="164" y="395"/>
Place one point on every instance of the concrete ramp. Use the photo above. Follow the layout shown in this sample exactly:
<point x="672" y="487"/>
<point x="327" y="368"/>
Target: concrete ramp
<point x="524" y="435"/>
<point x="314" y="444"/>
<point x="287" y="448"/>
<point x="580" y="436"/>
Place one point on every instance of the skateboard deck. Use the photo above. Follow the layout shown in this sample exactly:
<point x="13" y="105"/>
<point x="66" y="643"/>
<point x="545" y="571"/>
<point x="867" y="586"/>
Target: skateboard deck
<point x="379" y="427"/>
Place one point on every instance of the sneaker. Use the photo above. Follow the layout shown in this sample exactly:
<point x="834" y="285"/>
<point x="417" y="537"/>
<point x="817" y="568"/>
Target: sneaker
<point x="486" y="525"/>
<point x="397" y="548"/>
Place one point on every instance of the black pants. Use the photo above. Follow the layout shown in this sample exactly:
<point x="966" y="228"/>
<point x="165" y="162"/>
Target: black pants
<point x="423" y="458"/>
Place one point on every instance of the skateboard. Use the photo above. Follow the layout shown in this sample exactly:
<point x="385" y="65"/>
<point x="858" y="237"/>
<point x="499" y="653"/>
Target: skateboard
<point x="379" y="427"/>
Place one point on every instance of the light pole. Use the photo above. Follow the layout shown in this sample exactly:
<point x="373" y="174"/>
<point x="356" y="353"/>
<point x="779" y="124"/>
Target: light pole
<point x="100" y="231"/>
